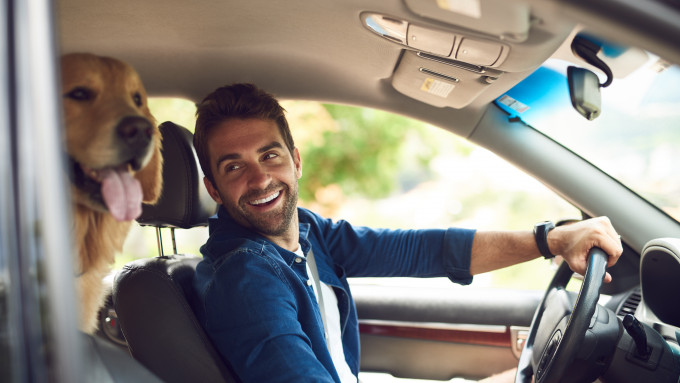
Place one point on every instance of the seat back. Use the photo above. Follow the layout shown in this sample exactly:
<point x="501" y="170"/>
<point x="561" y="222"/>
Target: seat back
<point x="184" y="202"/>
<point x="153" y="297"/>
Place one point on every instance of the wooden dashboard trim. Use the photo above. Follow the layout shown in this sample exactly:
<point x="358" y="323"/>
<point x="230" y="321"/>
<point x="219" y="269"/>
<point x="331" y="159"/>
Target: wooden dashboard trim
<point x="498" y="336"/>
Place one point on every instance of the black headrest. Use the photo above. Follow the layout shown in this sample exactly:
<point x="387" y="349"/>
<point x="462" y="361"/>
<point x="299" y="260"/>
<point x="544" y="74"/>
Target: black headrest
<point x="184" y="202"/>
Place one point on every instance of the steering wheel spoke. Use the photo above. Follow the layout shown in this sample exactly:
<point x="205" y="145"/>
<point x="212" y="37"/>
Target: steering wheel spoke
<point x="548" y="354"/>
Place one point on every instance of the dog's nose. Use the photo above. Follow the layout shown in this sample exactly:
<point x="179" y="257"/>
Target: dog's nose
<point x="135" y="131"/>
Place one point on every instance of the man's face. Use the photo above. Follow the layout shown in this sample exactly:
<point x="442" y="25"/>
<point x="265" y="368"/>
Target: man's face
<point x="255" y="174"/>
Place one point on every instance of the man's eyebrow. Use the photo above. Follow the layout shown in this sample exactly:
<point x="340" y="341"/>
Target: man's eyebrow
<point x="272" y="145"/>
<point x="235" y="156"/>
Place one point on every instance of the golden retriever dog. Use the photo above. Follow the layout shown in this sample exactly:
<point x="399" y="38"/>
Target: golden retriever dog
<point x="113" y="145"/>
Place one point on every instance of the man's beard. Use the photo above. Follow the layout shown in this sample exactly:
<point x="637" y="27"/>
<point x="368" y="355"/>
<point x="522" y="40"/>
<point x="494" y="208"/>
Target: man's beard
<point x="270" y="223"/>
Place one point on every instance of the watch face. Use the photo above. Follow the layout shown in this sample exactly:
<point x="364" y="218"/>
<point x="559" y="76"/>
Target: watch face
<point x="545" y="225"/>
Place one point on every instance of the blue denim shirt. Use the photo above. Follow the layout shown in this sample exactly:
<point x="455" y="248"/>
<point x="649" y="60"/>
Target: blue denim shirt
<point x="259" y="310"/>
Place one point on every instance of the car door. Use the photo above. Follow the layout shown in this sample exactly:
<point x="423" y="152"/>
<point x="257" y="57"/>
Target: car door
<point x="441" y="332"/>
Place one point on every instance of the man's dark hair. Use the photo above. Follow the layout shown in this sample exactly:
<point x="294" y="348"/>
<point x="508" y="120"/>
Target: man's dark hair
<point x="235" y="101"/>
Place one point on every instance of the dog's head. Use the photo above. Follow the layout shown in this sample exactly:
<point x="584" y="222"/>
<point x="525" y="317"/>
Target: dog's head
<point x="112" y="139"/>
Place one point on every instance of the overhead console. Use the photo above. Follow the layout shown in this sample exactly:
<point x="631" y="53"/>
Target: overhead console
<point x="440" y="68"/>
<point x="441" y="82"/>
<point x="444" y="44"/>
<point x="455" y="50"/>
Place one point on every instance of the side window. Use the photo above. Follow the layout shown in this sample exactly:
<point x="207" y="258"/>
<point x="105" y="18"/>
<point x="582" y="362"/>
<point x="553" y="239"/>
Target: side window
<point x="378" y="169"/>
<point x="390" y="171"/>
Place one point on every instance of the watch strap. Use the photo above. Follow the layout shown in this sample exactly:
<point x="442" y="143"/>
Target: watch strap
<point x="541" y="231"/>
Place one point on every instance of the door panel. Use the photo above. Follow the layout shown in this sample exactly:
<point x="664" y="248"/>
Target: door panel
<point x="441" y="333"/>
<point x="426" y="359"/>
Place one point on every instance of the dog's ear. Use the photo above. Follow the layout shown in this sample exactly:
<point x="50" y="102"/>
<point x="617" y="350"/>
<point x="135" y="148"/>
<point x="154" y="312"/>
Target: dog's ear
<point x="151" y="176"/>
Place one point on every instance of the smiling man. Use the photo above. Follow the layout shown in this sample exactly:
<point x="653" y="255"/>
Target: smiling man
<point x="256" y="176"/>
<point x="273" y="283"/>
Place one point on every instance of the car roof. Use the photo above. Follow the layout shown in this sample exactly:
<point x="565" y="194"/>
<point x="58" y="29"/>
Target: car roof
<point x="323" y="50"/>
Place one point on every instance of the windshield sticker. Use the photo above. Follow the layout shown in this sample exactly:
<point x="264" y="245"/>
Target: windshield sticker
<point x="437" y="88"/>
<point x="470" y="8"/>
<point x="513" y="104"/>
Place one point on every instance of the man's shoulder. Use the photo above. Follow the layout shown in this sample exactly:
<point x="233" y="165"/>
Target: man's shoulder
<point x="228" y="260"/>
<point x="306" y="215"/>
<point x="241" y="272"/>
<point x="219" y="249"/>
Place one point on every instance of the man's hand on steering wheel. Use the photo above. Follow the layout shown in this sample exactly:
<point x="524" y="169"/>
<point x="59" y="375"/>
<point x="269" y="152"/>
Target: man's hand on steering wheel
<point x="574" y="241"/>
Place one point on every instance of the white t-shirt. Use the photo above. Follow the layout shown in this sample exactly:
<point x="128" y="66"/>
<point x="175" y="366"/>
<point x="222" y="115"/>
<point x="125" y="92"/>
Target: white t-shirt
<point x="333" y="322"/>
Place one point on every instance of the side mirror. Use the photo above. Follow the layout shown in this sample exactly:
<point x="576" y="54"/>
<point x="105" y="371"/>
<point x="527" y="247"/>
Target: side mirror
<point x="584" y="90"/>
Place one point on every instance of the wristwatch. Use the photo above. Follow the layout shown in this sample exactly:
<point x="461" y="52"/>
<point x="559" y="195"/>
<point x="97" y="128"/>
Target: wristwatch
<point x="541" y="231"/>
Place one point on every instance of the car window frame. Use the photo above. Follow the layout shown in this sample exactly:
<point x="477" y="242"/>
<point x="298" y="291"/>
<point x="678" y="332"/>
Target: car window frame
<point x="37" y="262"/>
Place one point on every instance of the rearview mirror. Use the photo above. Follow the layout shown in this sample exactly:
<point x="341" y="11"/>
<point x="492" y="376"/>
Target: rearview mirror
<point x="584" y="90"/>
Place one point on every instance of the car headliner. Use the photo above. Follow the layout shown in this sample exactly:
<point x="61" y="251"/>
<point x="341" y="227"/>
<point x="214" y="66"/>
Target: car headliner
<point x="299" y="49"/>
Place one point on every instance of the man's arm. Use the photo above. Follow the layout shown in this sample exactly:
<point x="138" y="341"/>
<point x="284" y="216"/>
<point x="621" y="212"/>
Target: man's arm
<point x="494" y="250"/>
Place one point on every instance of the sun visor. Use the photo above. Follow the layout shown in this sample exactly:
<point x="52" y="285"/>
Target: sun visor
<point x="441" y="82"/>
<point x="506" y="20"/>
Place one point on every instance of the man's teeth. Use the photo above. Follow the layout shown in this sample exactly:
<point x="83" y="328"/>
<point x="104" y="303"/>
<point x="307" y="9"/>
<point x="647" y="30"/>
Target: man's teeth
<point x="266" y="199"/>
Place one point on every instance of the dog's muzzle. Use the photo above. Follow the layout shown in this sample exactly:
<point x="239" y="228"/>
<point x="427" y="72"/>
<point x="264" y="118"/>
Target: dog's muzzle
<point x="135" y="133"/>
<point x="112" y="187"/>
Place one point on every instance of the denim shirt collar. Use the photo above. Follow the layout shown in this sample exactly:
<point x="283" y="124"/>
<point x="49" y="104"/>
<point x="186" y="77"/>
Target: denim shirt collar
<point x="304" y="232"/>
<point x="223" y="222"/>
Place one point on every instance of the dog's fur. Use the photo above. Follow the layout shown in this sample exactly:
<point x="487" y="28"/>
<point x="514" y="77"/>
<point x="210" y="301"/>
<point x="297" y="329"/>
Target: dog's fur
<point x="109" y="129"/>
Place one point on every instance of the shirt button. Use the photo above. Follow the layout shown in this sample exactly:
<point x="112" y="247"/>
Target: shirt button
<point x="309" y="282"/>
<point x="298" y="260"/>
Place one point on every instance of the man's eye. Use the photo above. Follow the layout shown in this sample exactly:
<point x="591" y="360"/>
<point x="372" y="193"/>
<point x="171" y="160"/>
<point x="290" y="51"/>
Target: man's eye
<point x="231" y="168"/>
<point x="269" y="156"/>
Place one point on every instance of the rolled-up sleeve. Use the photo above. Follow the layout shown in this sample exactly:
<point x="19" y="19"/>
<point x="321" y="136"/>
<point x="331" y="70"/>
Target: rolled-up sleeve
<point x="456" y="252"/>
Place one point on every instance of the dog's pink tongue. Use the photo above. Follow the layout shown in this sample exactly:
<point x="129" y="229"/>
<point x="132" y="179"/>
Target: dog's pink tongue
<point x="122" y="194"/>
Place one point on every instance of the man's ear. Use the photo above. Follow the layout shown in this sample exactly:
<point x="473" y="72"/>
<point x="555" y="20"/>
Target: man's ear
<point x="298" y="163"/>
<point x="212" y="190"/>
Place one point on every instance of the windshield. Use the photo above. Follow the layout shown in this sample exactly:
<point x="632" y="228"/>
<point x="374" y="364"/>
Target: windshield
<point x="636" y="139"/>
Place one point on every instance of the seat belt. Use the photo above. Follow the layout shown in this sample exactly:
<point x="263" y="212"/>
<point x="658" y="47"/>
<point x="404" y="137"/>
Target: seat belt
<point x="319" y="294"/>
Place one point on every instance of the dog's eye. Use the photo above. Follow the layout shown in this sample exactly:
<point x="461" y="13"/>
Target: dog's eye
<point x="137" y="98"/>
<point x="80" y="94"/>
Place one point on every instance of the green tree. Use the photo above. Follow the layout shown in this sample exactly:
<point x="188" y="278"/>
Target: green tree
<point x="365" y="152"/>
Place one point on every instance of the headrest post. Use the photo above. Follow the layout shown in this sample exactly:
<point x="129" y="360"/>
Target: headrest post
<point x="174" y="244"/>
<point x="159" y="240"/>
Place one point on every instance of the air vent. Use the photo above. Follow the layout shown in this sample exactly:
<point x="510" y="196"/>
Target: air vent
<point x="630" y="304"/>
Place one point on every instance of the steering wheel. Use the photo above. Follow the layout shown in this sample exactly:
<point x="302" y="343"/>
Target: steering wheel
<point x="557" y="330"/>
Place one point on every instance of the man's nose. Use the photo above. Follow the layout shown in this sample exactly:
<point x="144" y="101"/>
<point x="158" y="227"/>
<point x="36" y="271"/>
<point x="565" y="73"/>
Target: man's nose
<point x="258" y="177"/>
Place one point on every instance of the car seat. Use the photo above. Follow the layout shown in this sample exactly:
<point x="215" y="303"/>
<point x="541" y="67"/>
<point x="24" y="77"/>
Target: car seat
<point x="153" y="297"/>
